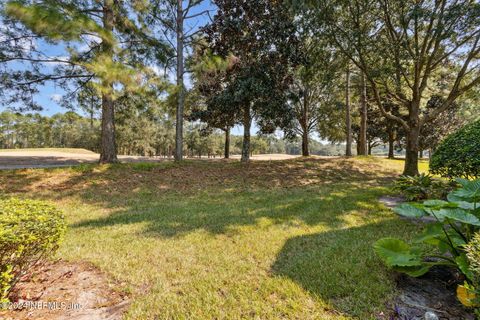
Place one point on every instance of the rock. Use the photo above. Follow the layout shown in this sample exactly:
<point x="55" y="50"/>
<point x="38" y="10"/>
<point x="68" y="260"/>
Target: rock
<point x="391" y="202"/>
<point x="429" y="315"/>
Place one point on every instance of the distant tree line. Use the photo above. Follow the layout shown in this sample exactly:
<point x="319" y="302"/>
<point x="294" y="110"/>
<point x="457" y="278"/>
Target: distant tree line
<point x="138" y="137"/>
<point x="361" y="73"/>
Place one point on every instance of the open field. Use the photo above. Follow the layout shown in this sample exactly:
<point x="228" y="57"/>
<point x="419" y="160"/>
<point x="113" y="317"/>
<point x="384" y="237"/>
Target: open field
<point x="58" y="157"/>
<point x="201" y="240"/>
<point x="55" y="157"/>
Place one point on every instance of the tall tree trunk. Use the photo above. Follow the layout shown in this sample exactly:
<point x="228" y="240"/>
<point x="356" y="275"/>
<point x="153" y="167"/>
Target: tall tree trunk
<point x="108" y="151"/>
<point x="421" y="154"/>
<point x="362" y="141"/>
<point x="247" y="123"/>
<point x="391" y="143"/>
<point x="413" y="135"/>
<point x="348" y="120"/>
<point x="304" y="124"/>
<point x="370" y="149"/>
<point x="227" y="143"/>
<point x="180" y="84"/>
<point x="305" y="148"/>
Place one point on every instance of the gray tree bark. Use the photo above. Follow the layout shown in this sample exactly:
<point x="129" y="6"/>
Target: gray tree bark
<point x="413" y="135"/>
<point x="180" y="84"/>
<point x="391" y="142"/>
<point x="304" y="124"/>
<point x="108" y="148"/>
<point x="247" y="123"/>
<point x="362" y="141"/>
<point x="348" y="121"/>
<point x="227" y="143"/>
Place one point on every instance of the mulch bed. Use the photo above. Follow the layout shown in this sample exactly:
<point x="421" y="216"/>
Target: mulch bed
<point x="63" y="290"/>
<point x="434" y="292"/>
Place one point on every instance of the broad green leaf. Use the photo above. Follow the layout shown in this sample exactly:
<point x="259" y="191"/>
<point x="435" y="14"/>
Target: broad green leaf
<point x="458" y="214"/>
<point x="470" y="190"/>
<point x="409" y="210"/>
<point x="454" y="198"/>
<point x="457" y="240"/>
<point x="466" y="205"/>
<point x="431" y="234"/>
<point x="464" y="266"/>
<point x="435" y="203"/>
<point x="397" y="253"/>
<point x="413" y="271"/>
<point x="463" y="182"/>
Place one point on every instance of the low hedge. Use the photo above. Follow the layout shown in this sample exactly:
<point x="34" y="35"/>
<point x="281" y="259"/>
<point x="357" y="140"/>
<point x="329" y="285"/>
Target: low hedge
<point x="459" y="154"/>
<point x="29" y="232"/>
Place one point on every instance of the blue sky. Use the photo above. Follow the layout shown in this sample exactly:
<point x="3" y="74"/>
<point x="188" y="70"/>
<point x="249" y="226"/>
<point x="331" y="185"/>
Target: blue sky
<point x="50" y="93"/>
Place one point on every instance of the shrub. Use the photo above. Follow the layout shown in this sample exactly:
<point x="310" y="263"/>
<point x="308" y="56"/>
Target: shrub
<point x="421" y="187"/>
<point x="459" y="154"/>
<point x="469" y="294"/>
<point x="457" y="221"/>
<point x="29" y="231"/>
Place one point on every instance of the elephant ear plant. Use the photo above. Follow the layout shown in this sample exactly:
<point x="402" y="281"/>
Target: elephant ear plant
<point x="443" y="242"/>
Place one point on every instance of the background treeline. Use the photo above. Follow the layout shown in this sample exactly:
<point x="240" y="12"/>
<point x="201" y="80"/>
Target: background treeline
<point x="138" y="137"/>
<point x="362" y="73"/>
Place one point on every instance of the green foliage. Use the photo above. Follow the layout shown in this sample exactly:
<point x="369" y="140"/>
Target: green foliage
<point x="473" y="255"/>
<point x="420" y="187"/>
<point x="261" y="36"/>
<point x="68" y="130"/>
<point x="457" y="221"/>
<point x="29" y="231"/>
<point x="459" y="154"/>
<point x="47" y="20"/>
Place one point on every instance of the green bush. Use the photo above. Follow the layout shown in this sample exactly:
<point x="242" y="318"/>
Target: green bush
<point x="473" y="254"/>
<point x="29" y="232"/>
<point x="421" y="187"/>
<point x="459" y="154"/>
<point x="472" y="250"/>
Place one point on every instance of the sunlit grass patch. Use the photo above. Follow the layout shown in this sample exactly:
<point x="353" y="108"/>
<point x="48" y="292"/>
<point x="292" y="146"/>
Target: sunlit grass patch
<point x="206" y="240"/>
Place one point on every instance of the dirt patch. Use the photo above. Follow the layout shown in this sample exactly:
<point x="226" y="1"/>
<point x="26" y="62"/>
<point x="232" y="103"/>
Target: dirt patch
<point x="61" y="290"/>
<point x="435" y="292"/>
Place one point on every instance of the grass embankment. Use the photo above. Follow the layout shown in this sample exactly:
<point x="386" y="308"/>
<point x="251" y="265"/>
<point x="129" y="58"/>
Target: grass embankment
<point x="203" y="240"/>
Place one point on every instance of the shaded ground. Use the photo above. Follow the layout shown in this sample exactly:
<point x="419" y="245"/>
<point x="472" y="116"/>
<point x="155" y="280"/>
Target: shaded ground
<point x="61" y="290"/>
<point x="57" y="158"/>
<point x="288" y="239"/>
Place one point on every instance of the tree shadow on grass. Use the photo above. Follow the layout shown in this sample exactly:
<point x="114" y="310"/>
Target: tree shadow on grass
<point x="222" y="212"/>
<point x="115" y="182"/>
<point x="174" y="199"/>
<point x="340" y="267"/>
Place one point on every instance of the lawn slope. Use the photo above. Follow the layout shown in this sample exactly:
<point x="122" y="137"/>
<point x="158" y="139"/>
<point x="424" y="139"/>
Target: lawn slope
<point x="202" y="240"/>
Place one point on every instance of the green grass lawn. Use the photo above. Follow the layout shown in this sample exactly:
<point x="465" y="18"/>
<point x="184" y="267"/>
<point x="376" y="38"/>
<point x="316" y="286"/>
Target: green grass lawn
<point x="219" y="240"/>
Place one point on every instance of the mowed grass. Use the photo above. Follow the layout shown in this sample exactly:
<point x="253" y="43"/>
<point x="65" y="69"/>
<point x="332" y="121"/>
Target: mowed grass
<point x="219" y="240"/>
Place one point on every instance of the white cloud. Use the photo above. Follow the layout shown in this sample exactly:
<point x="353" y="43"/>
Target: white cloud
<point x="56" y="97"/>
